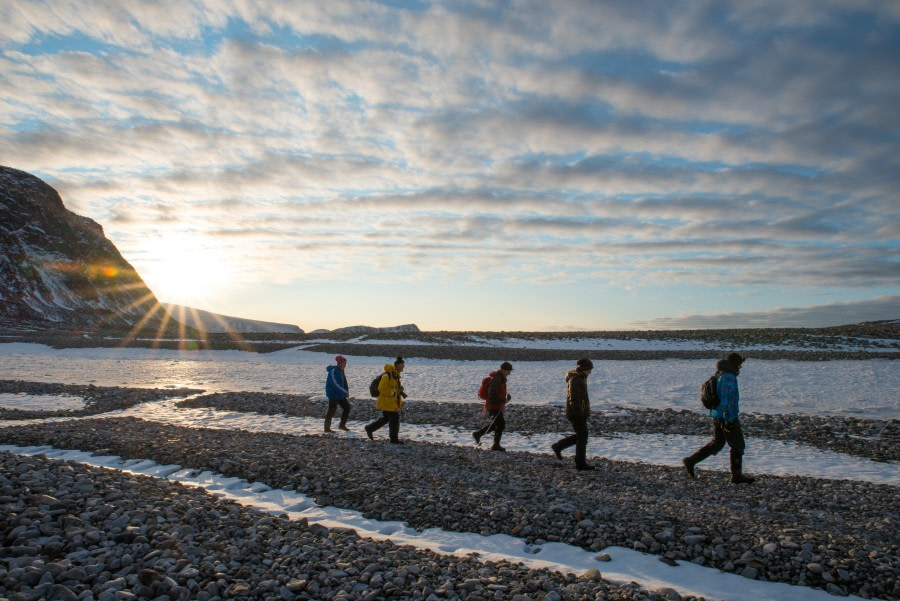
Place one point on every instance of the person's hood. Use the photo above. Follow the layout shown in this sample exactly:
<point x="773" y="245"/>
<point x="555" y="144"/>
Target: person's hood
<point x="391" y="369"/>
<point x="575" y="372"/>
<point x="330" y="368"/>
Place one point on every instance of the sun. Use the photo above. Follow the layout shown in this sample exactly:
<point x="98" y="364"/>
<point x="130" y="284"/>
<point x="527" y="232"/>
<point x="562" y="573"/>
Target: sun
<point x="191" y="277"/>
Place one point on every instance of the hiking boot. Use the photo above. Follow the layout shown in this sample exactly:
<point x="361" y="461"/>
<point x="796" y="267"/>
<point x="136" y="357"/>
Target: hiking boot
<point x="477" y="437"/>
<point x="344" y="428"/>
<point x="585" y="468"/>
<point x="396" y="442"/>
<point x="497" y="447"/>
<point x="369" y="433"/>
<point x="689" y="467"/>
<point x="737" y="472"/>
<point x="556" y="452"/>
<point x="329" y="431"/>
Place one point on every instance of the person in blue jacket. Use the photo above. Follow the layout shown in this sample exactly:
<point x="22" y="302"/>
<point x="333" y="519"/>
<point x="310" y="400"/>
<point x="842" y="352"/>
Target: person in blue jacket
<point x="726" y="425"/>
<point x="338" y="392"/>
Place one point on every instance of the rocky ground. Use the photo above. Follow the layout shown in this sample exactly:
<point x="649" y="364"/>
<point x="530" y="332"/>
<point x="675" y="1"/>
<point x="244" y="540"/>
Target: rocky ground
<point x="98" y="399"/>
<point x="875" y="439"/>
<point x="71" y="529"/>
<point x="72" y="532"/>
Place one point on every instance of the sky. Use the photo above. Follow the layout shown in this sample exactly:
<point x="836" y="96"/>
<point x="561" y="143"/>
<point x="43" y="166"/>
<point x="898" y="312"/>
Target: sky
<point x="475" y="165"/>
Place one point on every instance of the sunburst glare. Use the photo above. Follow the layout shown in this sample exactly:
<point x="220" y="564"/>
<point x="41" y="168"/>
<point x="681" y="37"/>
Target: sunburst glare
<point x="187" y="276"/>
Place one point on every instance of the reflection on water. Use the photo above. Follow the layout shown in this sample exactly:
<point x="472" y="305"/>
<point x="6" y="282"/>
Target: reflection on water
<point x="165" y="373"/>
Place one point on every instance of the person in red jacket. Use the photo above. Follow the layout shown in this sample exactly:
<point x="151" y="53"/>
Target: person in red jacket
<point x="495" y="405"/>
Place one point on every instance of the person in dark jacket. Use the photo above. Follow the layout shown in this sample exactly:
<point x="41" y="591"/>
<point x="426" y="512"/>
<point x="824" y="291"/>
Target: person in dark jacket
<point x="726" y="425"/>
<point x="578" y="411"/>
<point x="495" y="405"/>
<point x="338" y="392"/>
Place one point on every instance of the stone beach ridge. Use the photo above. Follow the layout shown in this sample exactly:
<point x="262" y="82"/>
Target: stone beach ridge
<point x="870" y="340"/>
<point x="74" y="532"/>
<point x="98" y="399"/>
<point x="835" y="535"/>
<point x="490" y="353"/>
<point x="878" y="440"/>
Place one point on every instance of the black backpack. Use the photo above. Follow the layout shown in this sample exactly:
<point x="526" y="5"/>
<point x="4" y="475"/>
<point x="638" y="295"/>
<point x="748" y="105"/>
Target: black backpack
<point x="709" y="393"/>
<point x="373" y="386"/>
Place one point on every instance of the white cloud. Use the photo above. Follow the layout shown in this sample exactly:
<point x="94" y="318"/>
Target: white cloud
<point x="815" y="316"/>
<point x="665" y="144"/>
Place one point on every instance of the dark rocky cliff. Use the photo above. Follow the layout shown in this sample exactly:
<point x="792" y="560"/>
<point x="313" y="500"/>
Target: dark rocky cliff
<point x="58" y="268"/>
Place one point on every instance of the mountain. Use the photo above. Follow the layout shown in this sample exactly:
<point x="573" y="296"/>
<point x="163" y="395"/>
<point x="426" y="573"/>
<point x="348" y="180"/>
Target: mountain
<point x="404" y="329"/>
<point x="58" y="268"/>
<point x="215" y="323"/>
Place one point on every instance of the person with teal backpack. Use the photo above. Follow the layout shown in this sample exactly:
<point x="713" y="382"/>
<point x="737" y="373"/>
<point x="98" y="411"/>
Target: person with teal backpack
<point x="726" y="425"/>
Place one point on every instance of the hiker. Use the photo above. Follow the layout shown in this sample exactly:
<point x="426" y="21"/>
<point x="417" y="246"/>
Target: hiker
<point x="390" y="400"/>
<point x="338" y="392"/>
<point x="578" y="411"/>
<point x="726" y="426"/>
<point x="495" y="405"/>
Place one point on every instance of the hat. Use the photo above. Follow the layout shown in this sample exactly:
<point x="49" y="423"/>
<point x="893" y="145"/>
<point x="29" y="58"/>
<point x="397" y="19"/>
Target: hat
<point x="584" y="364"/>
<point x="399" y="360"/>
<point x="340" y="359"/>
<point x="506" y="365"/>
<point x="736" y="360"/>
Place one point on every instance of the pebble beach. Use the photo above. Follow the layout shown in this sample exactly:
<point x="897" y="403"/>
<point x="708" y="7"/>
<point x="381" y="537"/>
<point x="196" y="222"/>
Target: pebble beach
<point x="75" y="532"/>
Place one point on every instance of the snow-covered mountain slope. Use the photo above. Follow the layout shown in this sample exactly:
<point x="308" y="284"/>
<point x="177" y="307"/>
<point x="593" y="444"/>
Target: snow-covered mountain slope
<point x="215" y="323"/>
<point x="59" y="268"/>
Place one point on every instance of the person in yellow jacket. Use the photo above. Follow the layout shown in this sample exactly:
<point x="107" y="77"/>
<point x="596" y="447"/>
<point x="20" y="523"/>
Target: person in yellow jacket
<point x="390" y="401"/>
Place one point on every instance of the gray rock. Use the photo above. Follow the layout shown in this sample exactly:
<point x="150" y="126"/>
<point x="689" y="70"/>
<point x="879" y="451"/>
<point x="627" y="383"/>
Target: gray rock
<point x="59" y="592"/>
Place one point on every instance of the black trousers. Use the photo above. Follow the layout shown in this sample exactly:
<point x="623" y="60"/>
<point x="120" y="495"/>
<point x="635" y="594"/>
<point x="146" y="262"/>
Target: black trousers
<point x="497" y="425"/>
<point x="392" y="419"/>
<point x="729" y="433"/>
<point x="579" y="439"/>
<point x="332" y="408"/>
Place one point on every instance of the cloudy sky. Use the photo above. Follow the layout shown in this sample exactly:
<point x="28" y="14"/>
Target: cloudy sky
<point x="475" y="165"/>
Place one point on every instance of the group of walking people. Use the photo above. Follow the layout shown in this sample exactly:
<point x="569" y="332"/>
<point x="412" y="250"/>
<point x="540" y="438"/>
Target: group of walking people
<point x="725" y="418"/>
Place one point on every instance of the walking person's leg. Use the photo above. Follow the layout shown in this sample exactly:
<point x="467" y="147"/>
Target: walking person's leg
<point x="345" y="413"/>
<point x="480" y="432"/>
<point x="563" y="444"/>
<point x="394" y="426"/>
<point x="377" y="424"/>
<point x="332" y="407"/>
<point x="581" y="437"/>
<point x="499" y="427"/>
<point x="734" y="436"/>
<point x="711" y="448"/>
